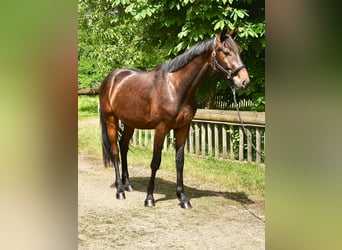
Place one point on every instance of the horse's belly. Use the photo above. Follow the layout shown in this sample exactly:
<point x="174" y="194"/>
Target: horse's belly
<point x="137" y="120"/>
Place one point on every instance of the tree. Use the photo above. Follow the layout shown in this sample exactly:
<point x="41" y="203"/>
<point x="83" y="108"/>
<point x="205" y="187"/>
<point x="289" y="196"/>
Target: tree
<point x="108" y="41"/>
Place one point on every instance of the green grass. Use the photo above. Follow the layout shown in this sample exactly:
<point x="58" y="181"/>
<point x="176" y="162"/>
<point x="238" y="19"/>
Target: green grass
<point x="237" y="177"/>
<point x="87" y="106"/>
<point x="247" y="178"/>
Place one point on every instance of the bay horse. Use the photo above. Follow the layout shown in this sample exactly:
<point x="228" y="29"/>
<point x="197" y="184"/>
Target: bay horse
<point x="162" y="99"/>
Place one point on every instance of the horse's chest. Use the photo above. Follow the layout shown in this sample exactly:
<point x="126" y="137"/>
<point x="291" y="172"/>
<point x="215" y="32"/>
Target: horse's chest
<point x="184" y="117"/>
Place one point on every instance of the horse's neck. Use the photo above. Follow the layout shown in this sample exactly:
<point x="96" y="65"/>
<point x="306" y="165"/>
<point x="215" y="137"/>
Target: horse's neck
<point x="189" y="77"/>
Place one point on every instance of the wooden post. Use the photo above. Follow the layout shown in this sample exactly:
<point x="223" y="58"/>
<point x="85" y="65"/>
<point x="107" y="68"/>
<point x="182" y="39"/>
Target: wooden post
<point x="216" y="141"/>
<point x="265" y="140"/>
<point x="203" y="142"/>
<point x="224" y="142"/>
<point x="257" y="142"/>
<point x="240" y="144"/>
<point x="152" y="138"/>
<point x="135" y="138"/>
<point x="146" y="137"/>
<point x="197" y="139"/>
<point x="191" y="140"/>
<point x="249" y="145"/>
<point x="231" y="142"/>
<point x="140" y="138"/>
<point x="165" y="142"/>
<point x="210" y="140"/>
<point x="171" y="146"/>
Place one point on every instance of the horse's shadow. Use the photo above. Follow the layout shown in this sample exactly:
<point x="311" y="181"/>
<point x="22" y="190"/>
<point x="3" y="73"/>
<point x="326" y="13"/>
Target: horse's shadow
<point x="168" y="189"/>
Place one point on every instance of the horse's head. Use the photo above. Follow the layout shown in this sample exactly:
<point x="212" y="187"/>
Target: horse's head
<point x="226" y="59"/>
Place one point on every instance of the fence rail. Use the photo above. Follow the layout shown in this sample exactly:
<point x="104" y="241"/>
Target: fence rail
<point x="88" y="91"/>
<point x="217" y="133"/>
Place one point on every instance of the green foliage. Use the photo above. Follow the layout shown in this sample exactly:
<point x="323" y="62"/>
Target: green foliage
<point x="88" y="105"/>
<point x="108" y="41"/>
<point x="144" y="33"/>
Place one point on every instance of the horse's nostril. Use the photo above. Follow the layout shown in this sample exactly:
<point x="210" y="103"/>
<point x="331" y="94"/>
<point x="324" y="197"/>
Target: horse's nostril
<point x="244" y="83"/>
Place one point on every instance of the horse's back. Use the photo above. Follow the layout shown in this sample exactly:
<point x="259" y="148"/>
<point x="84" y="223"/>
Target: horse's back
<point x="114" y="79"/>
<point x="118" y="75"/>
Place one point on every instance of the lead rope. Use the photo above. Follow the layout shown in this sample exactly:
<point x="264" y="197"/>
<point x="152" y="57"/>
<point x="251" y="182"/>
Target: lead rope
<point x="243" y="126"/>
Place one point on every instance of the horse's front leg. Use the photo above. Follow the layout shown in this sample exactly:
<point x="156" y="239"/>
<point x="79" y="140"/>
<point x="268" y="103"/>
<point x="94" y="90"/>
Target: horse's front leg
<point x="181" y="136"/>
<point x="159" y="137"/>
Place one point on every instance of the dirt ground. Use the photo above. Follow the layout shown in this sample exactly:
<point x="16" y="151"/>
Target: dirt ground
<point x="218" y="219"/>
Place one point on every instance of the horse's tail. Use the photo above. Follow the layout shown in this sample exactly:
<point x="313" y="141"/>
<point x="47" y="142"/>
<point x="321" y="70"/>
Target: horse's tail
<point x="106" y="147"/>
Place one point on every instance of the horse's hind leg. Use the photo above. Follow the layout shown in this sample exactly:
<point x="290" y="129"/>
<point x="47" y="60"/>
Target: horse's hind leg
<point x="124" y="145"/>
<point x="112" y="132"/>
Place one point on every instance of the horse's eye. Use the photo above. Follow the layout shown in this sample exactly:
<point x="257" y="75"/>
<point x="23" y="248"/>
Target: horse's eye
<point x="226" y="53"/>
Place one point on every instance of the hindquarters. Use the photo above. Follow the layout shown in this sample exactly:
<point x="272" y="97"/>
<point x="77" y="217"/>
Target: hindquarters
<point x="135" y="97"/>
<point x="109" y="120"/>
<point x="111" y="133"/>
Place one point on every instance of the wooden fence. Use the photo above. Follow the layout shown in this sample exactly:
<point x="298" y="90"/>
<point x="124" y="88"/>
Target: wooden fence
<point x="219" y="134"/>
<point x="220" y="102"/>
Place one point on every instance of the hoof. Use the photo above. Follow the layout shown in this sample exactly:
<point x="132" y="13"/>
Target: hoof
<point x="120" y="195"/>
<point x="129" y="188"/>
<point x="185" y="205"/>
<point x="149" y="203"/>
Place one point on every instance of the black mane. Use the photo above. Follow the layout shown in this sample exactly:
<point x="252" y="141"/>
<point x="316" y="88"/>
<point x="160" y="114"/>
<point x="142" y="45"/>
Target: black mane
<point x="183" y="59"/>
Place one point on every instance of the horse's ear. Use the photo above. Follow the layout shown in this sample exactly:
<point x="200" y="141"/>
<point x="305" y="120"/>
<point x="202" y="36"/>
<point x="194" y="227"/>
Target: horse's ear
<point x="224" y="33"/>
<point x="234" y="32"/>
